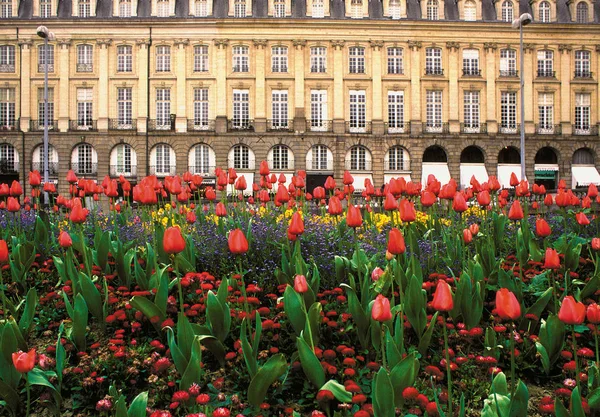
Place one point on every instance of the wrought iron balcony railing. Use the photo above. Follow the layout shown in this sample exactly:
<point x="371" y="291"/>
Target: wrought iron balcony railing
<point x="200" y="169"/>
<point x="473" y="128"/>
<point x="432" y="127"/>
<point x="510" y="129"/>
<point x="162" y="170"/>
<point x="160" y="124"/>
<point x="121" y="124"/>
<point x="39" y="166"/>
<point x="472" y="72"/>
<point x="319" y="125"/>
<point x="358" y="126"/>
<point x="234" y="125"/>
<point x="358" y="165"/>
<point x="126" y="170"/>
<point x="585" y="130"/>
<point x="397" y="127"/>
<point x="546" y="73"/>
<point x="39" y="125"/>
<point x="548" y="129"/>
<point x="280" y="125"/>
<point x="584" y="74"/>
<point x="205" y="124"/>
<point x="281" y="164"/>
<point x="509" y="73"/>
<point x="85" y="67"/>
<point x="434" y="71"/>
<point x="84" y="168"/>
<point x="9" y="167"/>
<point x="85" y="124"/>
<point x="10" y="124"/>
<point x="7" y="67"/>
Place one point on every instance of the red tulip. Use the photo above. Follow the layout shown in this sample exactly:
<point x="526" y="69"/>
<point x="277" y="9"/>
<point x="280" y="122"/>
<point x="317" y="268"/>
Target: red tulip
<point x="348" y="179"/>
<point x="264" y="168"/>
<point x="571" y="312"/>
<point x="596" y="243"/>
<point x="64" y="240"/>
<point x="210" y="194"/>
<point x="300" y="284"/>
<point x="354" y="217"/>
<point x="467" y="236"/>
<point x="515" y="212"/>
<point x="296" y="224"/>
<point x="542" y="228"/>
<point x="407" y="211"/>
<point x="78" y="213"/>
<point x="582" y="219"/>
<point x="16" y="189"/>
<point x="514" y="181"/>
<point x="459" y="203"/>
<point x="24" y="362"/>
<point x="474" y="228"/>
<point x="483" y="198"/>
<point x="551" y="260"/>
<point x="592" y="191"/>
<point x="335" y="206"/>
<point x="319" y="193"/>
<point x="548" y="201"/>
<point x="428" y="198"/>
<point x="329" y="183"/>
<point x="220" y="209"/>
<point x="396" y="245"/>
<point x="238" y="244"/>
<point x="241" y="184"/>
<point x="442" y="298"/>
<point x="381" y="309"/>
<point x="507" y="305"/>
<point x="390" y="202"/>
<point x="13" y="205"/>
<point x="71" y="177"/>
<point x="593" y="313"/>
<point x="173" y="241"/>
<point x="190" y="217"/>
<point x="35" y="179"/>
<point x="3" y="251"/>
<point x="377" y="273"/>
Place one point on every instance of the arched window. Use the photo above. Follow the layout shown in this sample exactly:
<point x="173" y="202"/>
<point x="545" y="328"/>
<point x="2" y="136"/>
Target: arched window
<point x="84" y="159"/>
<point x="162" y="8"/>
<point x="9" y="159"/>
<point x="358" y="158"/>
<point x="239" y="8"/>
<point x="432" y="10"/>
<point x="241" y="157"/>
<point x="583" y="156"/>
<point x="397" y="159"/>
<point x="37" y="160"/>
<point x="123" y="161"/>
<point x="470" y="11"/>
<point x="162" y="160"/>
<point x="280" y="158"/>
<point x="507" y="11"/>
<point x="201" y="8"/>
<point x="356" y="9"/>
<point x="395" y="9"/>
<point x="582" y="12"/>
<point x="544" y="12"/>
<point x="319" y="158"/>
<point x="201" y="160"/>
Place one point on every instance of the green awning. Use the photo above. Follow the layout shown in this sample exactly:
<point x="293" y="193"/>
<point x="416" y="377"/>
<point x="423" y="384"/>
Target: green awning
<point x="545" y="175"/>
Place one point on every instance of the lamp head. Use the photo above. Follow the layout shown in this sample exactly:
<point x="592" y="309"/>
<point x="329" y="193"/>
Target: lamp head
<point x="42" y="32"/>
<point x="522" y="20"/>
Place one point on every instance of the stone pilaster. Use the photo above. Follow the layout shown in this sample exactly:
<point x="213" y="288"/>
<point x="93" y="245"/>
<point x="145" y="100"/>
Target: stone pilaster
<point x="299" y="107"/>
<point x="103" y="93"/>
<point x="453" y="75"/>
<point x="181" y="115"/>
<point x="490" y="77"/>
<point x="564" y="100"/>
<point x="143" y="55"/>
<point x="415" y="87"/>
<point x="528" y="76"/>
<point x="25" y="93"/>
<point x="339" y="119"/>
<point x="260" y="106"/>
<point x="377" y="125"/>
<point x="62" y="100"/>
<point x="221" y="72"/>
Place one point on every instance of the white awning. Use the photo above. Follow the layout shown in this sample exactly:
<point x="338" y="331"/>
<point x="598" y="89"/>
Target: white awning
<point x="467" y="171"/>
<point x="388" y="177"/>
<point x="505" y="171"/>
<point x="545" y="167"/>
<point x="584" y="175"/>
<point x="249" y="181"/>
<point x="359" y="180"/>
<point x="439" y="169"/>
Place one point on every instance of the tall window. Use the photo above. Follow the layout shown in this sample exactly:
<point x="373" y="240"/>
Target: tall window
<point x="124" y="58"/>
<point x="320" y="155"/>
<point x="471" y="111"/>
<point x="240" y="59"/>
<point x="202" y="157"/>
<point x="318" y="59"/>
<point x="280" y="158"/>
<point x="163" y="58"/>
<point x="545" y="61"/>
<point x="84" y="8"/>
<point x="7" y="58"/>
<point x="432" y="10"/>
<point x="163" y="108"/>
<point x="85" y="97"/>
<point x="85" y="58"/>
<point x="582" y="113"/>
<point x="239" y="8"/>
<point x="395" y="111"/>
<point x="546" y="113"/>
<point x="433" y="61"/>
<point x="582" y="12"/>
<point x="241" y="109"/>
<point x="6" y="9"/>
<point x="358" y="111"/>
<point x="471" y="62"/>
<point x="85" y="160"/>
<point x="357" y="60"/>
<point x="356" y="9"/>
<point x="397" y="159"/>
<point x="508" y="112"/>
<point x="507" y="11"/>
<point x="434" y="111"/>
<point x="394" y="60"/>
<point x="544" y="12"/>
<point x="162" y="8"/>
<point x="470" y="11"/>
<point x="46" y="59"/>
<point x="318" y="9"/>
<point x="358" y="159"/>
<point x="123" y="159"/>
<point x="124" y="108"/>
<point x="200" y="58"/>
<point x="163" y="159"/>
<point x="318" y="110"/>
<point x="7" y="156"/>
<point x="395" y="11"/>
<point x="201" y="8"/>
<point x="279" y="59"/>
<point x="241" y="157"/>
<point x="45" y="8"/>
<point x="279" y="107"/>
<point x="200" y="108"/>
<point x="7" y="108"/>
<point x="508" y="63"/>
<point x="279" y="8"/>
<point x="582" y="64"/>
<point x="40" y="96"/>
<point x="124" y="8"/>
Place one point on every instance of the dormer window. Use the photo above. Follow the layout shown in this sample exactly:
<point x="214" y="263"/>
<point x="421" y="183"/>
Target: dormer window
<point x="279" y="8"/>
<point x="582" y="12"/>
<point x="84" y="8"/>
<point x="318" y="9"/>
<point x="356" y="9"/>
<point x="124" y="8"/>
<point x="45" y="8"/>
<point x="162" y="8"/>
<point x="470" y="11"/>
<point x="6" y="9"/>
<point x="432" y="10"/>
<point x="239" y="8"/>
<point x="544" y="12"/>
<point x="507" y="11"/>
<point x="201" y="8"/>
<point x="395" y="11"/>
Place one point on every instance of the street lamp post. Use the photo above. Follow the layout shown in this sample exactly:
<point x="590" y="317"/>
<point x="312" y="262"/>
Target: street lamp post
<point x="521" y="21"/>
<point x="43" y="32"/>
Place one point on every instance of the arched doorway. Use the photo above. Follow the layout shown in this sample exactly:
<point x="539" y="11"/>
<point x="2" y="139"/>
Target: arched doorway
<point x="435" y="162"/>
<point x="583" y="169"/>
<point x="319" y="165"/>
<point x="509" y="162"/>
<point x="546" y="168"/>
<point x="472" y="164"/>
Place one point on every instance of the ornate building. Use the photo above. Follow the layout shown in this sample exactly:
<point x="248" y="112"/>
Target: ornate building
<point x="383" y="88"/>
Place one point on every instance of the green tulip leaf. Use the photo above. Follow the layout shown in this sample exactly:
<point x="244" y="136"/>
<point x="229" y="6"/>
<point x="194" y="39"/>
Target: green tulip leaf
<point x="310" y="363"/>
<point x="272" y="370"/>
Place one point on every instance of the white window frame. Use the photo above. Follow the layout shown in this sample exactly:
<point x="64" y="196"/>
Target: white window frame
<point x="239" y="8"/>
<point x="241" y="157"/>
<point x="279" y="8"/>
<point x="124" y="58"/>
<point x="356" y="9"/>
<point x="471" y="110"/>
<point x="85" y="108"/>
<point x="470" y="11"/>
<point x="356" y="60"/>
<point x="280" y="158"/>
<point x="395" y="60"/>
<point x="358" y="111"/>
<point x="124" y="108"/>
<point x="318" y="110"/>
<point x="201" y="58"/>
<point x="545" y="113"/>
<point x="46" y="60"/>
<point x="163" y="108"/>
<point x="279" y="59"/>
<point x="85" y="58"/>
<point x="395" y="9"/>
<point x="241" y="109"/>
<point x="318" y="59"/>
<point x="85" y="159"/>
<point x="124" y="8"/>
<point x="397" y="159"/>
<point x="583" y="119"/>
<point x="7" y="108"/>
<point x="432" y="8"/>
<point x="124" y="160"/>
<point x="507" y="9"/>
<point x="202" y="158"/>
<point x="582" y="64"/>
<point x="201" y="109"/>
<point x="471" y="62"/>
<point x="320" y="160"/>
<point x="84" y="8"/>
<point x="318" y="9"/>
<point x="6" y="9"/>
<point x="201" y="8"/>
<point x="433" y="61"/>
<point x="508" y="62"/>
<point x="163" y="8"/>
<point x="433" y="111"/>
<point x="45" y="8"/>
<point x="162" y="159"/>
<point x="508" y="112"/>
<point x="241" y="58"/>
<point x="7" y="58"/>
<point x="544" y="12"/>
<point x="582" y="12"/>
<point x="359" y="159"/>
<point x="279" y="109"/>
<point x="163" y="58"/>
<point x="395" y="112"/>
<point x="50" y="107"/>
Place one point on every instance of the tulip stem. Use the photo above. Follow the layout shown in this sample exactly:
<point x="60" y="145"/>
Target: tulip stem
<point x="448" y="373"/>
<point x="88" y="270"/>
<point x="383" y="361"/>
<point x="596" y="340"/>
<point x="28" y="389"/>
<point x="512" y="361"/>
<point x="243" y="289"/>
<point x="575" y="356"/>
<point x="179" y="289"/>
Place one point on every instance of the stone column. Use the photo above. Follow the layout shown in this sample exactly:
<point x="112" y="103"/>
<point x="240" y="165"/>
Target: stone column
<point x="528" y="76"/>
<point x="416" y="127"/>
<point x="25" y="84"/>
<point x="299" y="107"/>
<point x="377" y="123"/>
<point x="143" y="55"/>
<point x="260" y="107"/>
<point x="490" y="76"/>
<point x="453" y="75"/>
<point x="62" y="100"/>
<point x="598" y="90"/>
<point x="180" y="113"/>
<point x="220" y="66"/>
<point x="339" y="115"/>
<point x="564" y="98"/>
<point x="103" y="93"/>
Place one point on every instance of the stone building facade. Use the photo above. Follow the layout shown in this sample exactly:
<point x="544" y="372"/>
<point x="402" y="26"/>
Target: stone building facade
<point x="383" y="88"/>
